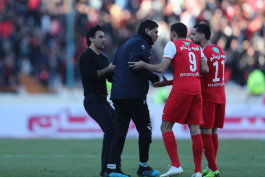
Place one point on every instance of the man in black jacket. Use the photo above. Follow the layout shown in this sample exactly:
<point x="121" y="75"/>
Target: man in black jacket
<point x="129" y="90"/>
<point x="95" y="69"/>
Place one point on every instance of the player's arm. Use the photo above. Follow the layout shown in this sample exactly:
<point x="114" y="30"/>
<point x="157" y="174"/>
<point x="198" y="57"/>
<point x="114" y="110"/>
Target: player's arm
<point x="169" y="53"/>
<point x="163" y="83"/>
<point x="204" y="66"/>
<point x="159" y="68"/>
<point x="145" y="73"/>
<point x="140" y="54"/>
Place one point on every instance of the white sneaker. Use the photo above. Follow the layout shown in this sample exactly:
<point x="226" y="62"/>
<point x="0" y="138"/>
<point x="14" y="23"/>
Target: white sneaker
<point x="173" y="171"/>
<point x="198" y="174"/>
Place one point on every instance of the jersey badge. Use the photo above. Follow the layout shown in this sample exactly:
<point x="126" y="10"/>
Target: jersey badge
<point x="216" y="50"/>
<point x="186" y="43"/>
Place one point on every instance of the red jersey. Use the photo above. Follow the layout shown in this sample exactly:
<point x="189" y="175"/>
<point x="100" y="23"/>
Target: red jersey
<point x="212" y="83"/>
<point x="186" y="66"/>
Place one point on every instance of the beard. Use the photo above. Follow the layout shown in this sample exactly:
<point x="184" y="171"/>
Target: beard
<point x="196" y="42"/>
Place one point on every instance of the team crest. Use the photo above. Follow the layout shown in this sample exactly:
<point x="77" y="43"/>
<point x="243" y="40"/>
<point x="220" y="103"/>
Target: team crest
<point x="186" y="43"/>
<point x="216" y="50"/>
<point x="143" y="47"/>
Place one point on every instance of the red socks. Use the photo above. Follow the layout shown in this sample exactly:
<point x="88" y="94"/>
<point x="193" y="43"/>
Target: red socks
<point x="171" y="147"/>
<point x="209" y="141"/>
<point x="209" y="151"/>
<point x="197" y="148"/>
<point x="215" y="144"/>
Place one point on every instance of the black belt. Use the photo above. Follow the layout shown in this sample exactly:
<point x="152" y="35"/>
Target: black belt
<point x="96" y="95"/>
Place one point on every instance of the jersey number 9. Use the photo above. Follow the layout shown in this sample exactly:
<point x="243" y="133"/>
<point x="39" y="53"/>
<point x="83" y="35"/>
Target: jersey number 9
<point x="192" y="59"/>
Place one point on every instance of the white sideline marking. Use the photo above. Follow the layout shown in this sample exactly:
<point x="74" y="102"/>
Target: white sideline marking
<point x="123" y="156"/>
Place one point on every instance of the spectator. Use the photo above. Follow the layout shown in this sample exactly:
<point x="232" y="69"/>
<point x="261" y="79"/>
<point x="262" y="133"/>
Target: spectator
<point x="35" y="30"/>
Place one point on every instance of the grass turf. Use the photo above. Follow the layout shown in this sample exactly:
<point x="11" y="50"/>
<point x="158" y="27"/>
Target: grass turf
<point x="81" y="158"/>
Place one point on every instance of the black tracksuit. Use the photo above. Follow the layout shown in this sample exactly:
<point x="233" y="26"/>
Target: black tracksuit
<point x="129" y="90"/>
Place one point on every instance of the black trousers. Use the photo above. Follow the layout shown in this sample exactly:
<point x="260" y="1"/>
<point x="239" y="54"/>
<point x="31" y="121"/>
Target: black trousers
<point x="101" y="111"/>
<point x="137" y="110"/>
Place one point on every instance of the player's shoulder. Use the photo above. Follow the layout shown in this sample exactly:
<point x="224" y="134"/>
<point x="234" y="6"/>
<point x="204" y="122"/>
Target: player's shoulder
<point x="170" y="44"/>
<point x="183" y="41"/>
<point x="194" y="44"/>
<point x="213" y="48"/>
<point x="197" y="46"/>
<point x="186" y="44"/>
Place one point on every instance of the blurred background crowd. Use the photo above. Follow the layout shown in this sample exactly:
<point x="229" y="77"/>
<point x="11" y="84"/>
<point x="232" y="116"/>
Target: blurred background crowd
<point x="40" y="39"/>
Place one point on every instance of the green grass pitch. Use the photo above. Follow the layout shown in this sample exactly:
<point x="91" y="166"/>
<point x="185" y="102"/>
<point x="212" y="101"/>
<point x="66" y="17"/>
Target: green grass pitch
<point x="81" y="158"/>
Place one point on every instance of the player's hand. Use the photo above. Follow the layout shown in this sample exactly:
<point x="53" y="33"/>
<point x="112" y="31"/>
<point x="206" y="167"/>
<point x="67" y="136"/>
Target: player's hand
<point x="162" y="83"/>
<point x="111" y="67"/>
<point x="137" y="65"/>
<point x="156" y="79"/>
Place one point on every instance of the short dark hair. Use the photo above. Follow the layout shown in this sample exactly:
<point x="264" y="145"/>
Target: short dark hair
<point x="91" y="32"/>
<point x="147" y="24"/>
<point x="205" y="29"/>
<point x="180" y="29"/>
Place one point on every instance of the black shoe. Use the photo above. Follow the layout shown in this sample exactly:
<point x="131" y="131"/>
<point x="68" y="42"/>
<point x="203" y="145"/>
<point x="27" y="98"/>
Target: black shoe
<point x="102" y="172"/>
<point x="147" y="171"/>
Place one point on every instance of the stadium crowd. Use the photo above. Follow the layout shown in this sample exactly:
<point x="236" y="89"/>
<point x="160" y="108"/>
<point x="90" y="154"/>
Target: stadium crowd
<point x="33" y="33"/>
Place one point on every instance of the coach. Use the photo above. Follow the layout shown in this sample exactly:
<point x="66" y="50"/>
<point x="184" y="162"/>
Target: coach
<point x="129" y="90"/>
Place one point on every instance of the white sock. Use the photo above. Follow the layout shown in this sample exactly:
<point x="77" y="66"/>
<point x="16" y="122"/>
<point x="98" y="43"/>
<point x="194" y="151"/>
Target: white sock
<point x="208" y="168"/>
<point x="111" y="166"/>
<point x="144" y="164"/>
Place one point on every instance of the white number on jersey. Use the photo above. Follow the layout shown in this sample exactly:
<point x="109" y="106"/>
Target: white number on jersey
<point x="216" y="79"/>
<point x="192" y="59"/>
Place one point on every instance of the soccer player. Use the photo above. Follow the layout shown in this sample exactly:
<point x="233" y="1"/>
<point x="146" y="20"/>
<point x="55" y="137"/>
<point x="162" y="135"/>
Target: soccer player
<point x="128" y="93"/>
<point x="213" y="95"/>
<point x="184" y="104"/>
<point x="95" y="69"/>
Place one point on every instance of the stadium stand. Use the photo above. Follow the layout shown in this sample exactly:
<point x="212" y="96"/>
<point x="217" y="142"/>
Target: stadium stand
<point x="33" y="34"/>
